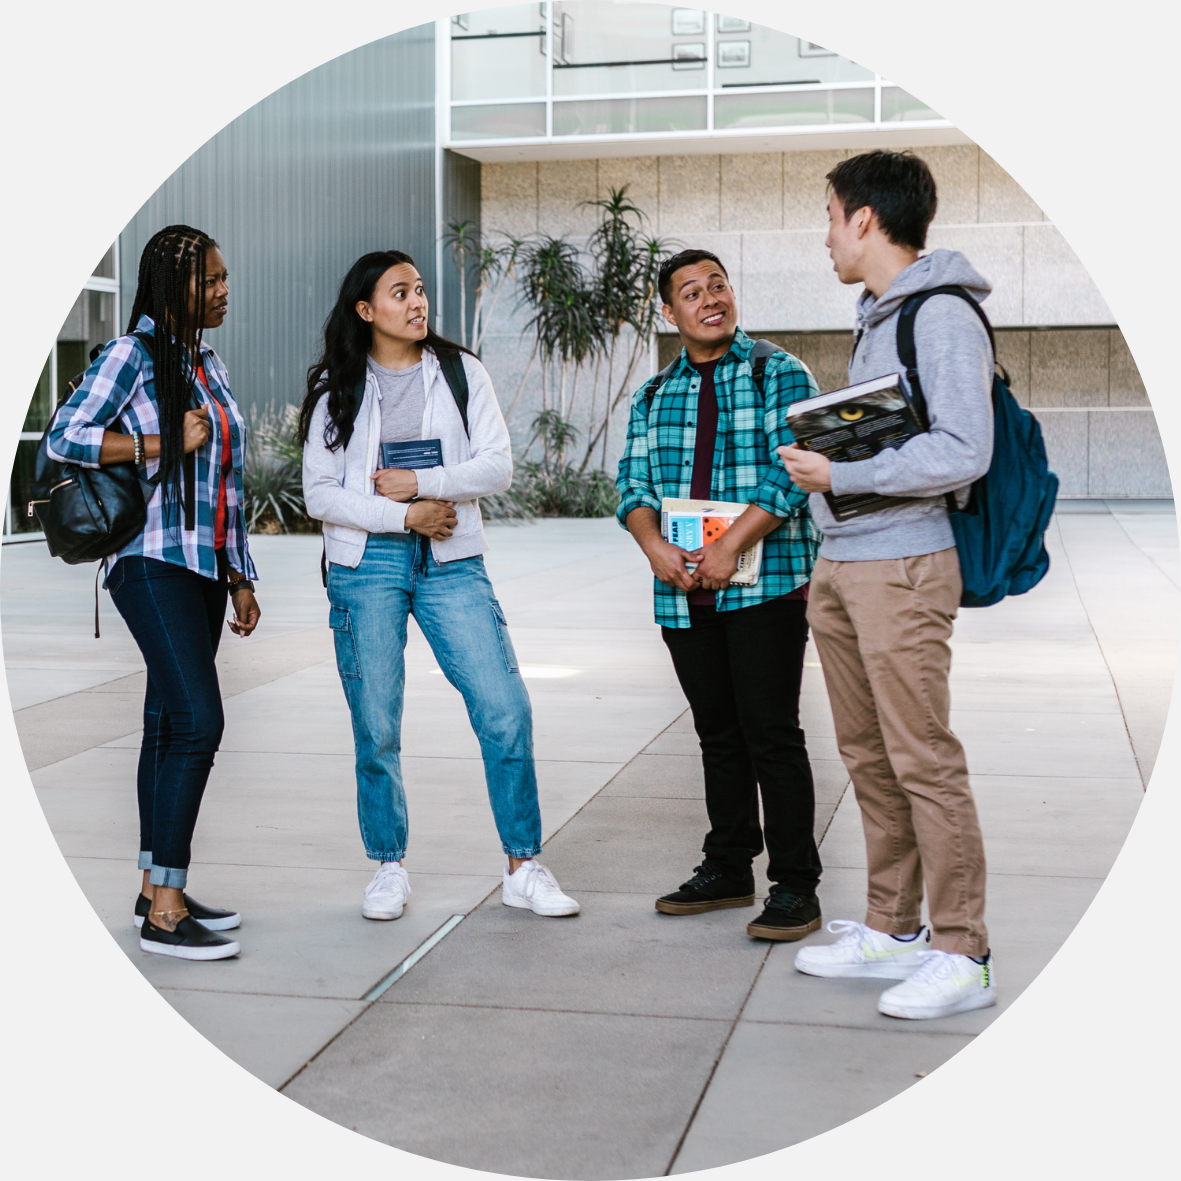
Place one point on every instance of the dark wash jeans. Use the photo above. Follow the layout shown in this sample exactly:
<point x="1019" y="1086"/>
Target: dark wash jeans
<point x="176" y="617"/>
<point x="741" y="672"/>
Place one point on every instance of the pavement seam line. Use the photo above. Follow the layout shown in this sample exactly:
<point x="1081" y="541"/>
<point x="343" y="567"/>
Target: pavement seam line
<point x="1099" y="644"/>
<point x="717" y="1062"/>
<point x="431" y="941"/>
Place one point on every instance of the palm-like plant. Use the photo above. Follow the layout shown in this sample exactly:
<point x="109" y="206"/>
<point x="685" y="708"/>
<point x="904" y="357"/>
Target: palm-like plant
<point x="626" y="267"/>
<point x="489" y="268"/>
<point x="272" y="476"/>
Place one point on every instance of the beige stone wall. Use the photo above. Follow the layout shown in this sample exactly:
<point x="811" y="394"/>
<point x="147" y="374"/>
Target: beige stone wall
<point x="764" y="216"/>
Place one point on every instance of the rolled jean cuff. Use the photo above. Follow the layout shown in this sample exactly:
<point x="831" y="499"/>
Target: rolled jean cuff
<point x="385" y="856"/>
<point x="145" y="859"/>
<point x="522" y="854"/>
<point x="171" y="879"/>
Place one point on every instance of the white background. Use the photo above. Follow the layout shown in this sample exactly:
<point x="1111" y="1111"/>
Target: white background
<point x="103" y="100"/>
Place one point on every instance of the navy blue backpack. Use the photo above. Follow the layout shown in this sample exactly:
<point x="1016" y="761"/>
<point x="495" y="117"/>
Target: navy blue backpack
<point x="1000" y="532"/>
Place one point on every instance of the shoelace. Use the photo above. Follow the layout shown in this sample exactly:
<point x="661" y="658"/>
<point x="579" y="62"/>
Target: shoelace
<point x="539" y="877"/>
<point x="382" y="880"/>
<point x="850" y="932"/>
<point x="935" y="964"/>
<point x="702" y="877"/>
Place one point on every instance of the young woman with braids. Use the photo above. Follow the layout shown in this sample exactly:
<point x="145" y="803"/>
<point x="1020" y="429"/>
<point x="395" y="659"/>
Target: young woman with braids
<point x="160" y="396"/>
<point x="403" y="541"/>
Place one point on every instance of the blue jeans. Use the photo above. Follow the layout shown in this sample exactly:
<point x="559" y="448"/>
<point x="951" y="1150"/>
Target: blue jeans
<point x="176" y="618"/>
<point x="454" y="605"/>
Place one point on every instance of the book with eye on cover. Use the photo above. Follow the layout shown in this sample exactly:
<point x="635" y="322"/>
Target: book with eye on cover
<point x="855" y="423"/>
<point x="692" y="524"/>
<point x="413" y="454"/>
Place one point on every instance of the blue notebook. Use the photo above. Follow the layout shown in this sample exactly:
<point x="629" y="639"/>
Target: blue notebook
<point x="411" y="455"/>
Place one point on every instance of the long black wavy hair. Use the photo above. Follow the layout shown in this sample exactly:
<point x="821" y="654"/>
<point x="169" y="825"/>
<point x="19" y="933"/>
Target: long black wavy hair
<point x="340" y="368"/>
<point x="168" y="265"/>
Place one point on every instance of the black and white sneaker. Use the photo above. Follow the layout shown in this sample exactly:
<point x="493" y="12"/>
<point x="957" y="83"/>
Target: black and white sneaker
<point x="210" y="918"/>
<point x="190" y="941"/>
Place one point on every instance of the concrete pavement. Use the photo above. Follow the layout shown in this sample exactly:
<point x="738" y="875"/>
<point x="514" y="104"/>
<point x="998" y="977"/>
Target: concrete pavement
<point x="622" y="1043"/>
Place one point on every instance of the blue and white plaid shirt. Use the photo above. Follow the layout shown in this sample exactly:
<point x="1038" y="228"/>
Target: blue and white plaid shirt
<point x="658" y="462"/>
<point x="118" y="388"/>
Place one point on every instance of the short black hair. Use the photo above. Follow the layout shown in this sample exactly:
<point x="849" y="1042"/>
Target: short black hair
<point x="897" y="186"/>
<point x="686" y="258"/>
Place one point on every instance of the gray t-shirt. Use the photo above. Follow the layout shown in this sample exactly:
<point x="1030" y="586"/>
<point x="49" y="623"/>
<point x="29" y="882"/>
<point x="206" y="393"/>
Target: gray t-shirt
<point x="403" y="402"/>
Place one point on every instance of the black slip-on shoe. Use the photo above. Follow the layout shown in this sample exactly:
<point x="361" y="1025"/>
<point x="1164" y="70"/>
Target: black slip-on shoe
<point x="708" y="889"/>
<point x="786" y="918"/>
<point x="190" y="941"/>
<point x="209" y="917"/>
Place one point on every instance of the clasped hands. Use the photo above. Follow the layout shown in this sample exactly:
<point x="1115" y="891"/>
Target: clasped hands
<point x="432" y="518"/>
<point x="715" y="565"/>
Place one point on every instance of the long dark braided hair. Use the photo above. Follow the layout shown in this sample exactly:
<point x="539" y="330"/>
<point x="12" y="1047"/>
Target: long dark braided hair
<point x="341" y="366"/>
<point x="167" y="267"/>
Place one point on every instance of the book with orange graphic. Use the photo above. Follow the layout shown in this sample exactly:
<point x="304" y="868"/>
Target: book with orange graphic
<point x="692" y="524"/>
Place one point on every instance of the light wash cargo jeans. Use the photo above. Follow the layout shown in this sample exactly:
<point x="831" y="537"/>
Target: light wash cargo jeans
<point x="464" y="625"/>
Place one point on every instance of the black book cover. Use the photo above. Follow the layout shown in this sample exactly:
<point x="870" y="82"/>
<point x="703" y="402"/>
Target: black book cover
<point x="856" y="423"/>
<point x="412" y="455"/>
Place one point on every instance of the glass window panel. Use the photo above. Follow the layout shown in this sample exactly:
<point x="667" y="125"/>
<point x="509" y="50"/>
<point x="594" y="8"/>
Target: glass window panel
<point x="91" y="321"/>
<point x="774" y="59"/>
<point x="622" y="116"/>
<point x="18" y="488"/>
<point x="498" y="121"/>
<point x="899" y="106"/>
<point x="106" y="268"/>
<point x="498" y="53"/>
<point x="607" y="48"/>
<point x="42" y="403"/>
<point x="798" y="108"/>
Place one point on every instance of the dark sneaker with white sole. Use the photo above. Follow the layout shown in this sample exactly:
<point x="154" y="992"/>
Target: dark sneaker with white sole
<point x="190" y="941"/>
<point x="210" y="918"/>
<point x="786" y="918"/>
<point x="710" y="888"/>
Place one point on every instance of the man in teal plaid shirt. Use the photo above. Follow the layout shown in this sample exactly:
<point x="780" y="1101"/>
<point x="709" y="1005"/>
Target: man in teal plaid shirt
<point x="703" y="429"/>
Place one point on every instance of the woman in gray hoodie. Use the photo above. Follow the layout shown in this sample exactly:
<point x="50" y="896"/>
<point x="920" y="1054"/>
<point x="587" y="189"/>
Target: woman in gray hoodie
<point x="408" y="540"/>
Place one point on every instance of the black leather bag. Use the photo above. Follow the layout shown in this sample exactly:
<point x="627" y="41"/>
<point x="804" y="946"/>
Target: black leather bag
<point x="88" y="513"/>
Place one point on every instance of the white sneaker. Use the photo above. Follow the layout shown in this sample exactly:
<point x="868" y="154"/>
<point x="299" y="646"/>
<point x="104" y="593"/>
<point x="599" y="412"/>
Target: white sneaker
<point x="533" y="887"/>
<point x="944" y="984"/>
<point x="387" y="893"/>
<point x="862" y="951"/>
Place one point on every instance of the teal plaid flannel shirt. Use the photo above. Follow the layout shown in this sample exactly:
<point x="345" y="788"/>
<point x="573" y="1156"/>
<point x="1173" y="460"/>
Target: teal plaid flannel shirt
<point x="658" y="462"/>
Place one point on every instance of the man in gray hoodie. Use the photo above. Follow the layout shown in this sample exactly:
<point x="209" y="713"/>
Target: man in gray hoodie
<point x="883" y="598"/>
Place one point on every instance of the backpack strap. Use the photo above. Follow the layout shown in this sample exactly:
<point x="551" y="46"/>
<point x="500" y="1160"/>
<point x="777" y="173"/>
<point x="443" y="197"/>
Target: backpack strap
<point x="451" y="362"/>
<point x="762" y="352"/>
<point x="660" y="378"/>
<point x="905" y="338"/>
<point x="909" y="357"/>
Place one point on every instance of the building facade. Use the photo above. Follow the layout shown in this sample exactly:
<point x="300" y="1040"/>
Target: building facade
<point x="511" y="119"/>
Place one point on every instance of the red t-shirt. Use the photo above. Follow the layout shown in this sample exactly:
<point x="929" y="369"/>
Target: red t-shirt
<point x="227" y="462"/>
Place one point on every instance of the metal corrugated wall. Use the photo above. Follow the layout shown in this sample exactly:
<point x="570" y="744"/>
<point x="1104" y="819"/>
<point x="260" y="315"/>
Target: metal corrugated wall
<point x="338" y="162"/>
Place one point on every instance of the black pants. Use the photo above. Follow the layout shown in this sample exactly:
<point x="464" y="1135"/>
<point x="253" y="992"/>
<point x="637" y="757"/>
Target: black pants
<point x="741" y="672"/>
<point x="177" y="618"/>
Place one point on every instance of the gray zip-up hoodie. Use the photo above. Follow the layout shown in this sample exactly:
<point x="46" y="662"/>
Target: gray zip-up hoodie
<point x="955" y="366"/>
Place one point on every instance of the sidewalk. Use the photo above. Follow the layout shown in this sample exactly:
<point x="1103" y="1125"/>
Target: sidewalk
<point x="622" y="1043"/>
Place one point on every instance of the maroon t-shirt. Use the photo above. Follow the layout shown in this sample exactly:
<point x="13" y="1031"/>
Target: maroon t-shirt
<point x="701" y="485"/>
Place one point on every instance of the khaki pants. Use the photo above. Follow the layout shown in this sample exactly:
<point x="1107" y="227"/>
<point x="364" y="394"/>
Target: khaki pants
<point x="881" y="629"/>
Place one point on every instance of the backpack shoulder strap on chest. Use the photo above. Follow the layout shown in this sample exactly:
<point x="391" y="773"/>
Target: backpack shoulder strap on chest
<point x="762" y="352"/>
<point x="905" y="335"/>
<point x="451" y="363"/>
<point x="660" y="378"/>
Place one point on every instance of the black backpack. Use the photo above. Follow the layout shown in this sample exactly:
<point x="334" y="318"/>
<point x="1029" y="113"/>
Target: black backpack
<point x="1000" y="532"/>
<point x="88" y="513"/>
<point x="451" y="363"/>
